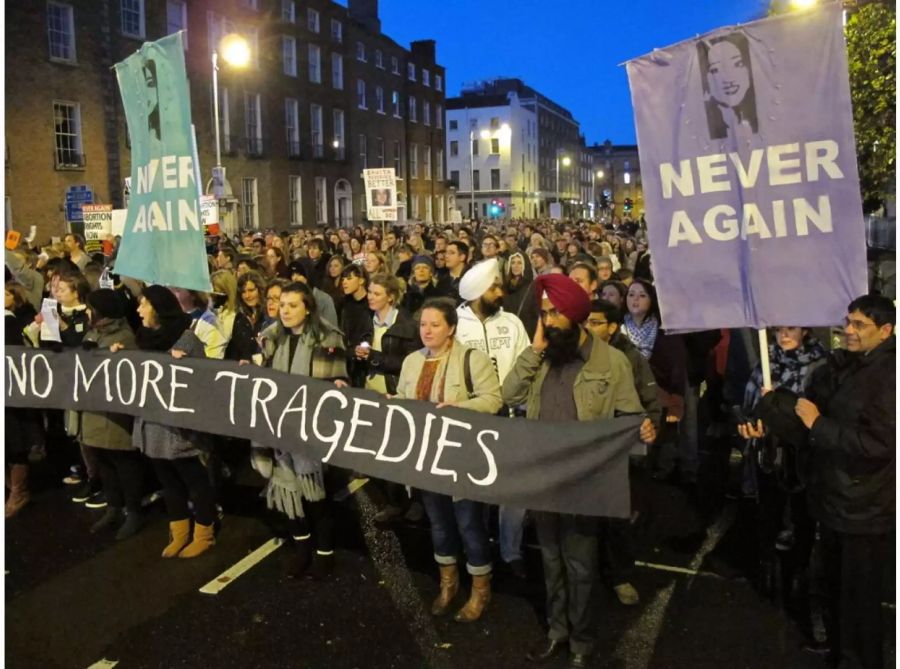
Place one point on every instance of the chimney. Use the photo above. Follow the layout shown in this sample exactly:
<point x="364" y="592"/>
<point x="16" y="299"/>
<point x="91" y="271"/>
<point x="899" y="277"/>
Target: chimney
<point x="424" y="50"/>
<point x="366" y="12"/>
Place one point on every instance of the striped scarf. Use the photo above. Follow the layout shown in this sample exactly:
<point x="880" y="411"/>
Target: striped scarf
<point x="643" y="336"/>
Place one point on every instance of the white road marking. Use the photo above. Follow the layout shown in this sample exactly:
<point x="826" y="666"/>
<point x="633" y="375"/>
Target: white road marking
<point x="104" y="664"/>
<point x="230" y="575"/>
<point x="637" y="644"/>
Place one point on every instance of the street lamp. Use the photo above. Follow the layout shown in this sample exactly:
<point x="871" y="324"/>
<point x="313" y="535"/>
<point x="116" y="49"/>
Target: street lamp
<point x="236" y="53"/>
<point x="566" y="161"/>
<point x="599" y="175"/>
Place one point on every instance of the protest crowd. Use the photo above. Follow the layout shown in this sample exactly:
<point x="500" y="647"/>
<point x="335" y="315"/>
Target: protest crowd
<point x="530" y="320"/>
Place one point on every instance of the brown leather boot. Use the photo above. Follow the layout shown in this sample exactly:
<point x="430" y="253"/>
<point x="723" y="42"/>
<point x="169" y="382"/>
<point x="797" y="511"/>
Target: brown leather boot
<point x="449" y="588"/>
<point x="204" y="539"/>
<point x="478" y="600"/>
<point x="18" y="490"/>
<point x="179" y="535"/>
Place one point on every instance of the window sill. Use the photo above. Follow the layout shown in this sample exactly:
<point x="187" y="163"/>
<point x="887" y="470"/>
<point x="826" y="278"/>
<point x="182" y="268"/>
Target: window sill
<point x="133" y="36"/>
<point x="64" y="61"/>
<point x="70" y="168"/>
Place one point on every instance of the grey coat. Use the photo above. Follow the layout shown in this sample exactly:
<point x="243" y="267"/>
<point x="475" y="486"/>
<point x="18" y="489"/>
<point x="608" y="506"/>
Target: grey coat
<point x="163" y="441"/>
<point x="108" y="430"/>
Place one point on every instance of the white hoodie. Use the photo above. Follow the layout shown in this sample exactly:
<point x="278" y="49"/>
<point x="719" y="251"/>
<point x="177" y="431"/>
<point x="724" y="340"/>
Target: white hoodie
<point x="502" y="337"/>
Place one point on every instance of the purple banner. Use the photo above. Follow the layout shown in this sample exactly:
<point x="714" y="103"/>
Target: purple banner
<point x="749" y="173"/>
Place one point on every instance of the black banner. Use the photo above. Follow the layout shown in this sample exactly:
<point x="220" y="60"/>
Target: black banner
<point x="571" y="467"/>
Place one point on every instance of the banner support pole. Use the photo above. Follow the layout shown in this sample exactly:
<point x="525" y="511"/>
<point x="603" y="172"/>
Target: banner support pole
<point x="764" y="358"/>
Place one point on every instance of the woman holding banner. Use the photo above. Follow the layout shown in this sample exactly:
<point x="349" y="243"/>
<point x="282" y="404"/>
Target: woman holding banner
<point x="301" y="343"/>
<point x="448" y="373"/>
<point x="173" y="451"/>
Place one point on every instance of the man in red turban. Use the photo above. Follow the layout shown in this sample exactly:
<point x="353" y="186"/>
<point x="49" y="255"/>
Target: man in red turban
<point x="568" y="374"/>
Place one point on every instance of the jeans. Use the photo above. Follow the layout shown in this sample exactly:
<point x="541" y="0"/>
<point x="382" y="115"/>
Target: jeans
<point x="512" y="521"/>
<point x="689" y="434"/>
<point x="570" y="557"/>
<point x="618" y="549"/>
<point x="458" y="522"/>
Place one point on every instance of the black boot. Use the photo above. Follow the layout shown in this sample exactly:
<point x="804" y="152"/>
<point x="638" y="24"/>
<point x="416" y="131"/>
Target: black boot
<point x="134" y="521"/>
<point x="110" y="517"/>
<point x="301" y="557"/>
<point x="322" y="566"/>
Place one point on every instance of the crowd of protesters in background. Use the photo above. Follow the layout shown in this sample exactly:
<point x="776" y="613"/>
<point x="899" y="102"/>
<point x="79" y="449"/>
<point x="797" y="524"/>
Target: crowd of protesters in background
<point x="404" y="304"/>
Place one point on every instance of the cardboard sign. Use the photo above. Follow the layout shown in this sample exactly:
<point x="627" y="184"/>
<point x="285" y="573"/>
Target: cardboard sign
<point x="12" y="239"/>
<point x="381" y="194"/>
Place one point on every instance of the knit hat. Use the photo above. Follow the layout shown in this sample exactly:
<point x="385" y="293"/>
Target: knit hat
<point x="479" y="279"/>
<point x="566" y="296"/>
<point x="106" y="303"/>
<point x="423" y="260"/>
<point x="163" y="301"/>
<point x="298" y="267"/>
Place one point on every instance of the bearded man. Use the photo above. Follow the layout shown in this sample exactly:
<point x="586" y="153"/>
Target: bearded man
<point x="568" y="374"/>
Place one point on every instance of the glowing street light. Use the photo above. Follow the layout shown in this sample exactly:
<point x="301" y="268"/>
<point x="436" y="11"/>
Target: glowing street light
<point x="235" y="52"/>
<point x="566" y="161"/>
<point x="803" y="4"/>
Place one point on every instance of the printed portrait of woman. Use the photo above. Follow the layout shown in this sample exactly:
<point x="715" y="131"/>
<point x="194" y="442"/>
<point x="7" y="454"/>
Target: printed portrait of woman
<point x="381" y="197"/>
<point x="728" y="91"/>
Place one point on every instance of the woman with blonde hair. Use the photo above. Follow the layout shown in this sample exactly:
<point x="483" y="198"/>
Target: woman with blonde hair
<point x="376" y="263"/>
<point x="224" y="301"/>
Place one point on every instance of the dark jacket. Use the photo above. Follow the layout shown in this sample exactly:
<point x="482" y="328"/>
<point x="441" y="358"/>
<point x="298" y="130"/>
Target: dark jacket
<point x="669" y="365"/>
<point x="644" y="382"/>
<point x="851" y="485"/>
<point x="449" y="287"/>
<point x="356" y="324"/>
<point x="243" y="344"/>
<point x="102" y="429"/>
<point x="401" y="339"/>
<point x="520" y="301"/>
<point x="415" y="296"/>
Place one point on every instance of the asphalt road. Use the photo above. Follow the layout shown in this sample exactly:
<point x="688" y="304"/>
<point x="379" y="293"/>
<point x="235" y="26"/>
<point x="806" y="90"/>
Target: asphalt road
<point x="74" y="600"/>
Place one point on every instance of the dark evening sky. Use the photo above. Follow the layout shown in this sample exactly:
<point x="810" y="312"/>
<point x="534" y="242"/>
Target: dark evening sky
<point x="569" y="50"/>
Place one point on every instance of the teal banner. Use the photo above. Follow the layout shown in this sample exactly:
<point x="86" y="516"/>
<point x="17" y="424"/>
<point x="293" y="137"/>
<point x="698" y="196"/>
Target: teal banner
<point x="163" y="238"/>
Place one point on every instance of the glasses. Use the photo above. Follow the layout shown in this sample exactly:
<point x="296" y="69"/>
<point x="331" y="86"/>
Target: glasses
<point x="595" y="323"/>
<point x="856" y="324"/>
<point x="488" y="245"/>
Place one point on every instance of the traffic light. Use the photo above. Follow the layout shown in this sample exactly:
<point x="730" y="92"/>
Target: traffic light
<point x="628" y="204"/>
<point x="497" y="208"/>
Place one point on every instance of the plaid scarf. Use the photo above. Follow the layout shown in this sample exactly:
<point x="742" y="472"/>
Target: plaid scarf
<point x="643" y="336"/>
<point x="789" y="370"/>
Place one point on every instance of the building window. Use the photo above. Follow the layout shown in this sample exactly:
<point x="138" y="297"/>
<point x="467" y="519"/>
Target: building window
<point x="379" y="59"/>
<point x="250" y="4"/>
<point x="413" y="111"/>
<point x="288" y="11"/>
<point x="411" y="71"/>
<point x="495" y="179"/>
<point x="439" y="159"/>
<point x="454" y="125"/>
<point x="337" y="31"/>
<point x="339" y="142"/>
<point x="224" y="119"/>
<point x="315" y="64"/>
<point x="361" y="94"/>
<point x="379" y="99"/>
<point x="426" y="77"/>
<point x="312" y="20"/>
<point x="289" y="55"/>
<point x="454" y="148"/>
<point x="413" y="161"/>
<point x="253" y="38"/>
<point x="454" y="178"/>
<point x="253" y="123"/>
<point x="395" y="103"/>
<point x="61" y="31"/>
<point x="295" y="193"/>
<point x="495" y="145"/>
<point x="379" y="152"/>
<point x="176" y="19"/>
<point x="438" y="82"/>
<point x="426" y="112"/>
<point x="398" y="159"/>
<point x="395" y="65"/>
<point x="428" y="211"/>
<point x="133" y="18"/>
<point x="248" y="202"/>
<point x="361" y="52"/>
<point x="495" y="123"/>
<point x="321" y="200"/>
<point x="67" y="129"/>
<point x="292" y="126"/>
<point x="476" y="179"/>
<point x="439" y="117"/>
<point x="315" y="128"/>
<point x="363" y="152"/>
<point x="426" y="163"/>
<point x="474" y="147"/>
<point x="413" y="207"/>
<point x="218" y="27"/>
<point x="337" y="71"/>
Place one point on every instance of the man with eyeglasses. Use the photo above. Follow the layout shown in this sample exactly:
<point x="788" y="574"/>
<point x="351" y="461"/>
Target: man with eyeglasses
<point x="850" y="412"/>
<point x="490" y="248"/>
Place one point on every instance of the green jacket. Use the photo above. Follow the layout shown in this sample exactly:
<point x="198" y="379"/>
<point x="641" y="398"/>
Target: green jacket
<point x="643" y="377"/>
<point x="603" y="386"/>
